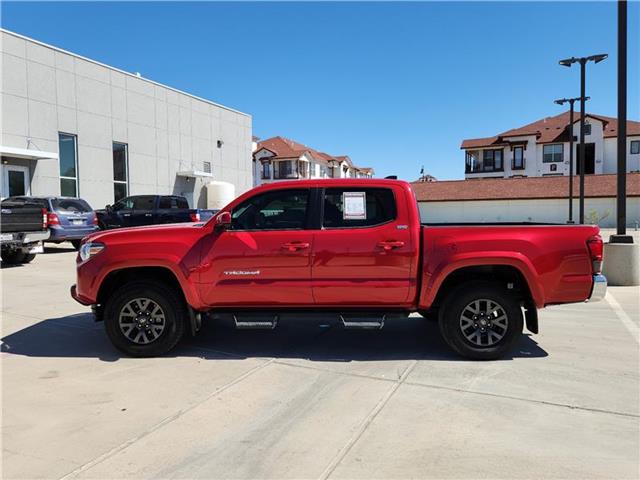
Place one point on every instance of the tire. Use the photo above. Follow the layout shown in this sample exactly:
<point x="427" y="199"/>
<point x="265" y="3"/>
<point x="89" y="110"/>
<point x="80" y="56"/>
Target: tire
<point x="13" y="257"/>
<point x="130" y="339"/>
<point x="76" y="244"/>
<point x="481" y="336"/>
<point x="430" y="315"/>
<point x="28" y="258"/>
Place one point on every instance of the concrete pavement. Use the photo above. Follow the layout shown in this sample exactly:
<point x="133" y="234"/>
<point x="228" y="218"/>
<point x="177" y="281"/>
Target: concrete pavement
<point x="311" y="401"/>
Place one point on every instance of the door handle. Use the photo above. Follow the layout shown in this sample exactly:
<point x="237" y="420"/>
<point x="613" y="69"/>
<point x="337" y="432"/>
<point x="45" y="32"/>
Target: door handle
<point x="390" y="245"/>
<point x="126" y="214"/>
<point x="148" y="214"/>
<point x="294" y="246"/>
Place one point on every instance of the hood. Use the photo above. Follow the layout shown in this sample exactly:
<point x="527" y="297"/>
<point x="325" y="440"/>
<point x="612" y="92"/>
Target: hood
<point x="131" y="234"/>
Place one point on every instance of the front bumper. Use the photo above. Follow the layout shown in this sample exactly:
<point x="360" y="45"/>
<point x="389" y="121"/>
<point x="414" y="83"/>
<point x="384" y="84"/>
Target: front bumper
<point x="79" y="298"/>
<point x="599" y="289"/>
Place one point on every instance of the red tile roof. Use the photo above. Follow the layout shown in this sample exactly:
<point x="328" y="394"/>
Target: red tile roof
<point x="551" y="129"/>
<point x="286" y="148"/>
<point x="521" y="188"/>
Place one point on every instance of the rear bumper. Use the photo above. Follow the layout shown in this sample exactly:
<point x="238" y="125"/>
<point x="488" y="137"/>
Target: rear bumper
<point x="599" y="289"/>
<point x="24" y="238"/>
<point x="62" y="234"/>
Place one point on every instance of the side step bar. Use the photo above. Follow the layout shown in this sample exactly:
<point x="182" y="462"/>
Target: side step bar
<point x="361" y="322"/>
<point x="255" y="322"/>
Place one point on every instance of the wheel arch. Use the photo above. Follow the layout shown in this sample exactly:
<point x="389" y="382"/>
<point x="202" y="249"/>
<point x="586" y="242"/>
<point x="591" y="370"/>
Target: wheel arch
<point x="513" y="278"/>
<point x="119" y="277"/>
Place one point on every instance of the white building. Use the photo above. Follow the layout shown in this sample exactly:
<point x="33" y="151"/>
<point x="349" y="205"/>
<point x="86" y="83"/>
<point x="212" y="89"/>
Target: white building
<point x="73" y="126"/>
<point x="280" y="158"/>
<point x="542" y="149"/>
<point x="541" y="199"/>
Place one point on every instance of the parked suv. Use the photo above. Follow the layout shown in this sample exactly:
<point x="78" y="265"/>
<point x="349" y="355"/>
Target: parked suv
<point x="69" y="219"/>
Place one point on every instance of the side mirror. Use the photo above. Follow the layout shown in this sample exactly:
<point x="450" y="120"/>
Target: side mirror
<point x="223" y="221"/>
<point x="108" y="208"/>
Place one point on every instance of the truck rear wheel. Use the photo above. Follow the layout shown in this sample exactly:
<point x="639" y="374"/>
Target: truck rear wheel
<point x="28" y="258"/>
<point x="481" y="321"/>
<point x="145" y="319"/>
<point x="13" y="257"/>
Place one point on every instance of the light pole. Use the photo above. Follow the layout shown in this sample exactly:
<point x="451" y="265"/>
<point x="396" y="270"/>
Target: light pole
<point x="621" y="200"/>
<point x="567" y="62"/>
<point x="570" y="101"/>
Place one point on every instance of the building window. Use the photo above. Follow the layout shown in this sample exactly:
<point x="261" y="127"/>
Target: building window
<point x="120" y="171"/>
<point x="206" y="166"/>
<point x="552" y="153"/>
<point x="587" y="129"/>
<point x="492" y="161"/>
<point x="471" y="162"/>
<point x="635" y="147"/>
<point x="286" y="169"/>
<point x="266" y="171"/>
<point x="303" y="168"/>
<point x="518" y="158"/>
<point x="67" y="145"/>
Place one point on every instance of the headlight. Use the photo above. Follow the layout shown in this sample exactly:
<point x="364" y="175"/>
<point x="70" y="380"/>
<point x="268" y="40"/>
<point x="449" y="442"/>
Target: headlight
<point x="89" y="249"/>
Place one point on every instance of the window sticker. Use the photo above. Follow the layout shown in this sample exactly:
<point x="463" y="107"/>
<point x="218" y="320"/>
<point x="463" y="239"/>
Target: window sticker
<point x="354" y="206"/>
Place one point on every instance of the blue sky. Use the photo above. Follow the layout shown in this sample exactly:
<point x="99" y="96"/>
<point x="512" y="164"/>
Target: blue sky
<point x="393" y="85"/>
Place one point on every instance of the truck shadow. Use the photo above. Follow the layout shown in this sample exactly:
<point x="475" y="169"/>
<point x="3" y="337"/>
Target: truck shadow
<point x="78" y="336"/>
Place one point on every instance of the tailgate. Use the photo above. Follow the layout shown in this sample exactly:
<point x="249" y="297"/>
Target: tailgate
<point x="16" y="218"/>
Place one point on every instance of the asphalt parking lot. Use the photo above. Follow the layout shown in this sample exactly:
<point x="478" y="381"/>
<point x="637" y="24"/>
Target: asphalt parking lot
<point x="312" y="400"/>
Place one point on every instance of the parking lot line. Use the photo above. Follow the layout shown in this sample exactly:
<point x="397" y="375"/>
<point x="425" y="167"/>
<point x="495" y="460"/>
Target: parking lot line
<point x="365" y="424"/>
<point x="633" y="329"/>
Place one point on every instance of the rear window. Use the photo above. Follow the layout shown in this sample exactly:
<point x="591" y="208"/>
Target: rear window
<point x="71" y="205"/>
<point x="365" y="207"/>
<point x="173" y="202"/>
<point x="145" y="202"/>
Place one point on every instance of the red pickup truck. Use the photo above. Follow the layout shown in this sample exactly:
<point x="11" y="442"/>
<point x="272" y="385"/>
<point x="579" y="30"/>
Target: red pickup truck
<point x="353" y="249"/>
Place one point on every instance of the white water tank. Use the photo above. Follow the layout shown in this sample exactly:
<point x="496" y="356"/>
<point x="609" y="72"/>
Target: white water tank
<point x="219" y="194"/>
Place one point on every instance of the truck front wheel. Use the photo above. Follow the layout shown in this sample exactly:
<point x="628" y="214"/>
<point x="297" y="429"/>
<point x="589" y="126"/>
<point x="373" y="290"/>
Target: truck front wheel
<point x="145" y="319"/>
<point x="481" y="321"/>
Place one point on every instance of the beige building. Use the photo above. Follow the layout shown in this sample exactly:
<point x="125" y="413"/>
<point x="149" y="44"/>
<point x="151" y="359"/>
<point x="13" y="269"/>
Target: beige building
<point x="280" y="158"/>
<point x="541" y="148"/>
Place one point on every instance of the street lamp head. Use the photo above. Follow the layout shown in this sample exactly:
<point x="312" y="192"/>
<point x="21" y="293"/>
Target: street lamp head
<point x="598" y="58"/>
<point x="567" y="62"/>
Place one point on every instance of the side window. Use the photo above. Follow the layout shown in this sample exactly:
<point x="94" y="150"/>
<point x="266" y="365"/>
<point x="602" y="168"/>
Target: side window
<point x="277" y="210"/>
<point x="145" y="202"/>
<point x="167" y="203"/>
<point x="124" y="204"/>
<point x="182" y="202"/>
<point x="366" y="207"/>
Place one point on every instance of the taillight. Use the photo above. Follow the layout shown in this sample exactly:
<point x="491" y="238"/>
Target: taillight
<point x="95" y="219"/>
<point x="45" y="219"/>
<point x="52" y="219"/>
<point x="596" y="250"/>
<point x="195" y="217"/>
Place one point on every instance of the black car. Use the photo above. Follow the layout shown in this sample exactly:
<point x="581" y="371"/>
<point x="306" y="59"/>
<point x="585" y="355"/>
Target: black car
<point x="138" y="210"/>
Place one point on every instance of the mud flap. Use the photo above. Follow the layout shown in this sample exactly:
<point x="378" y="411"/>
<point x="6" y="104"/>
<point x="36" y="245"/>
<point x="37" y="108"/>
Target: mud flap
<point x="531" y="318"/>
<point x="195" y="319"/>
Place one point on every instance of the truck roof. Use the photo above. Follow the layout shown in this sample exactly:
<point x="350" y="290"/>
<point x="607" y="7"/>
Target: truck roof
<point x="332" y="182"/>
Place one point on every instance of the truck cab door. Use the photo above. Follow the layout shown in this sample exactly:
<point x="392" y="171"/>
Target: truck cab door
<point x="364" y="254"/>
<point x="119" y="215"/>
<point x="264" y="258"/>
<point x="144" y="207"/>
